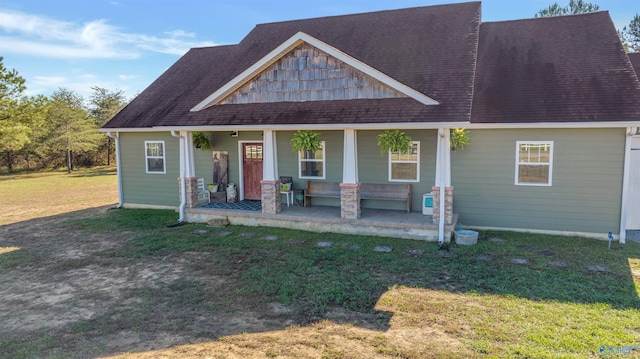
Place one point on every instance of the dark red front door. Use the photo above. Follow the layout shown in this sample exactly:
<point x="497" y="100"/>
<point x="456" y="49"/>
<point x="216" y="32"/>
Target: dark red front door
<point x="252" y="170"/>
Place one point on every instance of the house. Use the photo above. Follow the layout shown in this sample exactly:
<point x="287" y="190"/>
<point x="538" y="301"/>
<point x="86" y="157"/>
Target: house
<point x="552" y="106"/>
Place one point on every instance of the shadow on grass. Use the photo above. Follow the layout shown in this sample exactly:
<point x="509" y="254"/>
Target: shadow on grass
<point x="138" y="276"/>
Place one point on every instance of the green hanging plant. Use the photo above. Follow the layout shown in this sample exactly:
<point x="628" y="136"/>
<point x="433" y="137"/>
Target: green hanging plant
<point x="202" y="141"/>
<point x="459" y="138"/>
<point x="394" y="141"/>
<point x="305" y="140"/>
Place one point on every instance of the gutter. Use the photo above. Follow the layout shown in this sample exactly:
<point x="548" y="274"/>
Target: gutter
<point x="116" y="136"/>
<point x="183" y="184"/>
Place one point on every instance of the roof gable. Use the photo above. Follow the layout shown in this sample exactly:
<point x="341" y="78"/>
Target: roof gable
<point x="306" y="69"/>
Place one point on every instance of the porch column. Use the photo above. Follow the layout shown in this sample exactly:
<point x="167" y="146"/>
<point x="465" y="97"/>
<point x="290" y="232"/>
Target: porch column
<point x="443" y="191"/>
<point x="350" y="186"/>
<point x="188" y="170"/>
<point x="270" y="184"/>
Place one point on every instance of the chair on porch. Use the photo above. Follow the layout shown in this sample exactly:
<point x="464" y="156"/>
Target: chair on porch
<point x="286" y="183"/>
<point x="203" y="194"/>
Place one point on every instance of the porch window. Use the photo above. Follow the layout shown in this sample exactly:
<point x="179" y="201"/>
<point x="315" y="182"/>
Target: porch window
<point x="311" y="164"/>
<point x="534" y="163"/>
<point x="154" y="156"/>
<point x="405" y="167"/>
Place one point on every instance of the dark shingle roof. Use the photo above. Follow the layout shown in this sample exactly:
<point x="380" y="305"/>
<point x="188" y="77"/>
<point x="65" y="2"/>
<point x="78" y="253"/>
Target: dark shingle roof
<point x="556" y="69"/>
<point x="430" y="49"/>
<point x="634" y="57"/>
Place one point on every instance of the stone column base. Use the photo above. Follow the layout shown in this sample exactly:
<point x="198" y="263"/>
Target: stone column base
<point x="192" y="192"/>
<point x="448" y="205"/>
<point x="271" y="199"/>
<point x="350" y="200"/>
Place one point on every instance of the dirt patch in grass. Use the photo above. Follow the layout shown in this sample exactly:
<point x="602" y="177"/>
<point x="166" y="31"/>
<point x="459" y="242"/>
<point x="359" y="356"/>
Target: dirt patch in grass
<point x="119" y="283"/>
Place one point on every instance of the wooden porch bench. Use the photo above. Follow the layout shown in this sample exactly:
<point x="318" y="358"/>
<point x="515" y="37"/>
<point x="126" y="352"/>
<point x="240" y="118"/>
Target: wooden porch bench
<point x="385" y="192"/>
<point x="321" y="189"/>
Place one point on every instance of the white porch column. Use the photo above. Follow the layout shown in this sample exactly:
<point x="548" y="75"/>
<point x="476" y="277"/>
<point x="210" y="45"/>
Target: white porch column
<point x="350" y="186"/>
<point x="188" y="180"/>
<point x="270" y="184"/>
<point x="186" y="141"/>
<point x="442" y="191"/>
<point x="350" y="160"/>
<point x="269" y="156"/>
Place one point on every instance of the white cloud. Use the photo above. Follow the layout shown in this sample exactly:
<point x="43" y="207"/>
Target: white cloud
<point x="127" y="77"/>
<point x="45" y="37"/>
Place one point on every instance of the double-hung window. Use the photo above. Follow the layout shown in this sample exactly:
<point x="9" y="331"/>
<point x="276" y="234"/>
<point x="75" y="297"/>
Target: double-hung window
<point x="312" y="164"/>
<point x="534" y="163"/>
<point x="154" y="156"/>
<point x="405" y="167"/>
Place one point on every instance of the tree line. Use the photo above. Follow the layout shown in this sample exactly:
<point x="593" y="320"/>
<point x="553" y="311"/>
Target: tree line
<point x="39" y="132"/>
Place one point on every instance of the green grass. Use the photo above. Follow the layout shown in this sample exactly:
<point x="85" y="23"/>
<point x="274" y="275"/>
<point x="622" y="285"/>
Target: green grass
<point x="40" y="194"/>
<point x="410" y="306"/>
<point x="534" y="310"/>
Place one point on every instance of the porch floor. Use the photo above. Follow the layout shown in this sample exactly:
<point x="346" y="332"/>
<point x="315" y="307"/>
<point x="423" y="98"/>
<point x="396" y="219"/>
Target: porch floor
<point x="373" y="222"/>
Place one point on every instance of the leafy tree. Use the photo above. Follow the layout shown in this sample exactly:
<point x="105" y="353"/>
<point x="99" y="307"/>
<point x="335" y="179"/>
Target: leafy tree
<point x="70" y="128"/>
<point x="14" y="115"/>
<point x="574" y="7"/>
<point x="630" y="35"/>
<point x="104" y="105"/>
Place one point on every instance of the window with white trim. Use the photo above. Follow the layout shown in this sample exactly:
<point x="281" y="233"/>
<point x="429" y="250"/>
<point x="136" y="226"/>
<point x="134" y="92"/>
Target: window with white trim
<point x="312" y="164"/>
<point x="534" y="163"/>
<point x="405" y="167"/>
<point x="154" y="156"/>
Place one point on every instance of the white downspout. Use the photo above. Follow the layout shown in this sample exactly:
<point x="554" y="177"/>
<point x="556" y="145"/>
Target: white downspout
<point x="441" y="176"/>
<point x="116" y="136"/>
<point x="183" y="184"/>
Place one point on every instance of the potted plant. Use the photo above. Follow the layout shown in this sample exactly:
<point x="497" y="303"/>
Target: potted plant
<point x="394" y="141"/>
<point x="305" y="140"/>
<point x="459" y="138"/>
<point x="202" y="141"/>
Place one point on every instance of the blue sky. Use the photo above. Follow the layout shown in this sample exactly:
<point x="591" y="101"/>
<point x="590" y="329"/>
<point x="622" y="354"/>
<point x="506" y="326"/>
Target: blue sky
<point x="126" y="44"/>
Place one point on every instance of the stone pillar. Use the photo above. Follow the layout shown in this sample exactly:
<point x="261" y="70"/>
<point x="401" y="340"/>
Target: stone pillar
<point x="350" y="200"/>
<point x="448" y="205"/>
<point x="192" y="192"/>
<point x="271" y="200"/>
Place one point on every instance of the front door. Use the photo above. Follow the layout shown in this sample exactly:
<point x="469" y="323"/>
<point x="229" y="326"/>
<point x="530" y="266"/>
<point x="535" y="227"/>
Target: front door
<point x="633" y="209"/>
<point x="252" y="170"/>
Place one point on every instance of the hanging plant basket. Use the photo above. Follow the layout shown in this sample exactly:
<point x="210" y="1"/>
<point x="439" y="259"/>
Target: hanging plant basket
<point x="305" y="140"/>
<point x="459" y="138"/>
<point x="202" y="141"/>
<point x="394" y="141"/>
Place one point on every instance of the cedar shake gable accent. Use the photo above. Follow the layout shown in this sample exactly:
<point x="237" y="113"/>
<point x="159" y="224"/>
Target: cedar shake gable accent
<point x="557" y="69"/>
<point x="429" y="49"/>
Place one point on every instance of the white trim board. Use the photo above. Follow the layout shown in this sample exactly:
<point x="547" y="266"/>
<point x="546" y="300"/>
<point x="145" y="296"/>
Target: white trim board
<point x="294" y="41"/>
<point x="381" y="126"/>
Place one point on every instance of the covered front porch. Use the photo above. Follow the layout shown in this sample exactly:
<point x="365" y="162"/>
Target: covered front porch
<point x="372" y="222"/>
<point x="349" y="163"/>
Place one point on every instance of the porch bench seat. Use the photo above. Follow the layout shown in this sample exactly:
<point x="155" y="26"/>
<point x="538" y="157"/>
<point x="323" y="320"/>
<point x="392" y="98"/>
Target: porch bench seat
<point x="386" y="192"/>
<point x="321" y="189"/>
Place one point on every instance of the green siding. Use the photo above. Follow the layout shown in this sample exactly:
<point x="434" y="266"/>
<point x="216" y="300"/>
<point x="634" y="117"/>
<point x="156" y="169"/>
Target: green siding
<point x="139" y="187"/>
<point x="374" y="167"/>
<point x="222" y="141"/>
<point x="288" y="161"/>
<point x="586" y="184"/>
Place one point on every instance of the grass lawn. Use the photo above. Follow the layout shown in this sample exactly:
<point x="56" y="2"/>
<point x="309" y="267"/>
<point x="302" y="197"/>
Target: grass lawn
<point x="121" y="283"/>
<point x="38" y="194"/>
